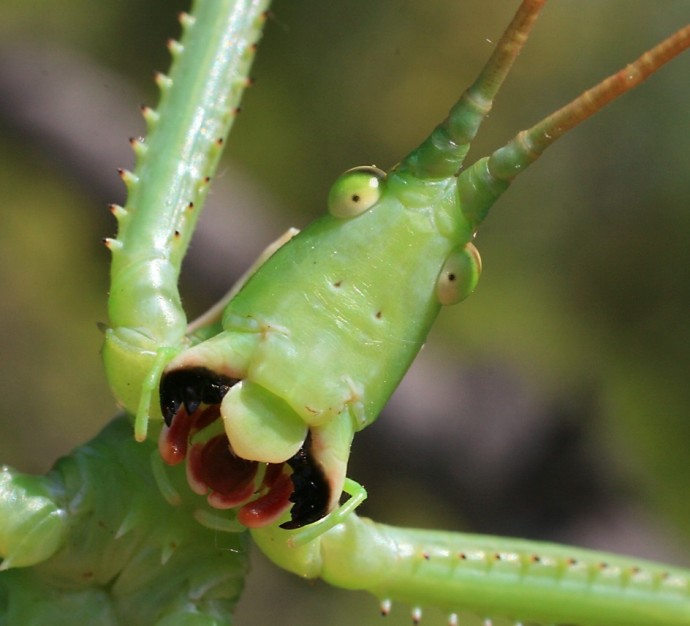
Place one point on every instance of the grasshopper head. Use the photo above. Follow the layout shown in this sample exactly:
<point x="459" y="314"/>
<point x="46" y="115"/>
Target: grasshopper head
<point x="313" y="345"/>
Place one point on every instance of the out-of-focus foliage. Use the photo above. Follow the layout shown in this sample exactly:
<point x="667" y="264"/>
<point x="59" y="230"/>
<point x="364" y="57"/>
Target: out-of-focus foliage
<point x="586" y="287"/>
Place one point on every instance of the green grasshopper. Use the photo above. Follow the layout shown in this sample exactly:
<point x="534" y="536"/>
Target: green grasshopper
<point x="300" y="356"/>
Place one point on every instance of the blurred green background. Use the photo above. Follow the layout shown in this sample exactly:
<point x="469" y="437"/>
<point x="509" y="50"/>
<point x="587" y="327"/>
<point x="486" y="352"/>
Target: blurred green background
<point x="583" y="304"/>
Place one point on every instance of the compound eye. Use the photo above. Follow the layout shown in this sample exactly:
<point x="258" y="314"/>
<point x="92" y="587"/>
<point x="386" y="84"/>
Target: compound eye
<point x="459" y="275"/>
<point x="355" y="191"/>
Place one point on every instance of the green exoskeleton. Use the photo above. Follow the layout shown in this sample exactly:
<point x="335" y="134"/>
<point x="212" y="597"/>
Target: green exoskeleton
<point x="261" y="398"/>
<point x="107" y="549"/>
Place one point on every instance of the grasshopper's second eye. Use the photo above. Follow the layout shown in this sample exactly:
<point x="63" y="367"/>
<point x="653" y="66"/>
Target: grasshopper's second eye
<point x="459" y="276"/>
<point x="356" y="191"/>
